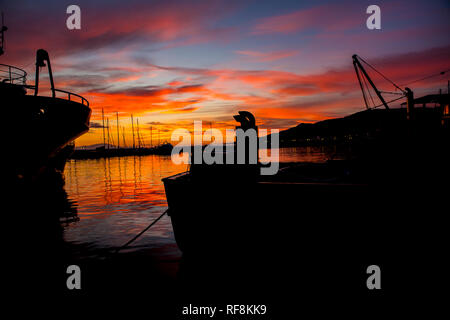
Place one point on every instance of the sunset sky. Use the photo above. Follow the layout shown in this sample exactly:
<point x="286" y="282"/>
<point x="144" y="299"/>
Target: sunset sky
<point x="171" y="62"/>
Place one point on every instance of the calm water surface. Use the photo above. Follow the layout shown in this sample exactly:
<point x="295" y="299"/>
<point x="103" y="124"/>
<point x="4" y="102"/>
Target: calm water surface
<point x="116" y="198"/>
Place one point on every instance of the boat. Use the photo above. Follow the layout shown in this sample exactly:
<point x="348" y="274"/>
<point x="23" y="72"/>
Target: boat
<point x="39" y="127"/>
<point x="231" y="208"/>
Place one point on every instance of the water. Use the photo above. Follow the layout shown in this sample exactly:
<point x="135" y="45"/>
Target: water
<point x="116" y="198"/>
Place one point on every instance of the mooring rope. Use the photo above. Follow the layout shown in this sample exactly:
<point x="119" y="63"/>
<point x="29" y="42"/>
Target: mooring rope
<point x="142" y="232"/>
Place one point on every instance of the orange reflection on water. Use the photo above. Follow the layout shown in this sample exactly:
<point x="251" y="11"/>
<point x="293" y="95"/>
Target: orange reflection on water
<point x="118" y="197"/>
<point x="118" y="183"/>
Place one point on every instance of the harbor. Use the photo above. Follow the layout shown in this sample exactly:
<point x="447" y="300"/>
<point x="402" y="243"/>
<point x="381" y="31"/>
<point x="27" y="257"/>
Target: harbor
<point x="224" y="161"/>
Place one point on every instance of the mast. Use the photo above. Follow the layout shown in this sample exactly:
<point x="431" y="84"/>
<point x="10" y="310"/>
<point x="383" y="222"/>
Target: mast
<point x="123" y="136"/>
<point x="132" y="130"/>
<point x="107" y="129"/>
<point x="151" y="137"/>
<point x="103" y="120"/>
<point x="118" y="140"/>
<point x="138" y="134"/>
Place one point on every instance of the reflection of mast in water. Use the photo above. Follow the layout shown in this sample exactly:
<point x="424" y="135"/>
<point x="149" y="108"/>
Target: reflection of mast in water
<point x="106" y="180"/>
<point x="110" y="180"/>
<point x="76" y="176"/>
<point x="73" y="175"/>
<point x="134" y="173"/>
<point x="153" y="164"/>
<point x="140" y="172"/>
<point x="120" y="178"/>
<point x="125" y="170"/>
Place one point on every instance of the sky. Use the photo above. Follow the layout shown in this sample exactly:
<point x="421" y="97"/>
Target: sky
<point x="172" y="62"/>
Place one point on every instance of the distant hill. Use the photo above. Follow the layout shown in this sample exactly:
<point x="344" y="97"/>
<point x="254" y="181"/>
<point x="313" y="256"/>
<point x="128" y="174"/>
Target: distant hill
<point x="364" y="124"/>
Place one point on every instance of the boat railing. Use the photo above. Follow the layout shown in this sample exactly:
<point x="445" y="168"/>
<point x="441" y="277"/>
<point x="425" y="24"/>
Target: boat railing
<point x="13" y="75"/>
<point x="70" y="95"/>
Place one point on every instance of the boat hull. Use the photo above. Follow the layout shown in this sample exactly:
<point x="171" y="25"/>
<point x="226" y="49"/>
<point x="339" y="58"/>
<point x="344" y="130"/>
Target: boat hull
<point x="266" y="216"/>
<point x="40" y="127"/>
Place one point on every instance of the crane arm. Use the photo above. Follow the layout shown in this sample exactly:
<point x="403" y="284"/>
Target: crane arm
<point x="358" y="66"/>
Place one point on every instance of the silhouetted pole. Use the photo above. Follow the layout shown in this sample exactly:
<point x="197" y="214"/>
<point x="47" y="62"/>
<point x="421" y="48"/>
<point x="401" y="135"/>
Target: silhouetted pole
<point x="138" y="135"/>
<point x="132" y="129"/>
<point x="123" y="135"/>
<point x="107" y="130"/>
<point x="117" y="120"/>
<point x="103" y="120"/>
<point x="151" y="137"/>
<point x="409" y="104"/>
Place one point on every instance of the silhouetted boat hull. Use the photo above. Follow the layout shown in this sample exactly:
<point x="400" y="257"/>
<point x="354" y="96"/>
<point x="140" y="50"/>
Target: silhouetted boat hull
<point x="38" y="127"/>
<point x="265" y="215"/>
<point x="44" y="127"/>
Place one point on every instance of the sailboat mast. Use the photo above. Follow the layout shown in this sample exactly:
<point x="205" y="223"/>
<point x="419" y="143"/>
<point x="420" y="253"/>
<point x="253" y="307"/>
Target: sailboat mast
<point x="132" y="130"/>
<point x="123" y="136"/>
<point x="138" y="134"/>
<point x="118" y="139"/>
<point x="103" y="120"/>
<point x="107" y="129"/>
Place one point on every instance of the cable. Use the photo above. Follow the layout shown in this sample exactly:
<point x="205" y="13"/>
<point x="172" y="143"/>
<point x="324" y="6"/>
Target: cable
<point x="388" y="92"/>
<point x="388" y="102"/>
<point x="368" y="90"/>
<point x="360" y="76"/>
<point x="428" y="77"/>
<point x="373" y="68"/>
<point x="142" y="232"/>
